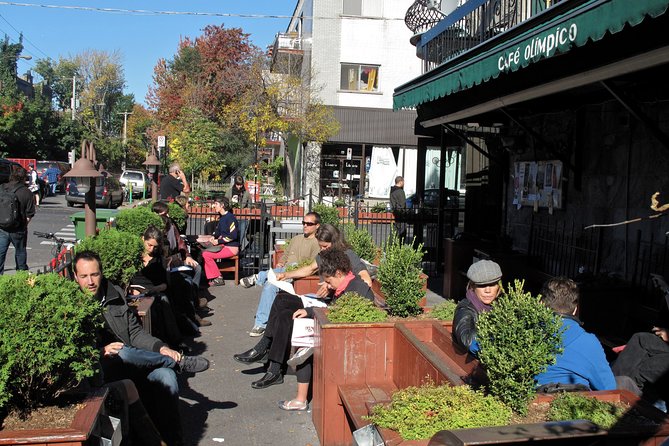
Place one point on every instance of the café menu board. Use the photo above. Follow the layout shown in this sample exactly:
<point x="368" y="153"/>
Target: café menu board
<point x="538" y="183"/>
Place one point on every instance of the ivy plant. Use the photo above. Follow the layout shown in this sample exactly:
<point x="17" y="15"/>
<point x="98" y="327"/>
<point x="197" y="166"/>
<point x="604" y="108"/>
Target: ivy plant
<point x="519" y="338"/>
<point x="351" y="307"/>
<point x="399" y="275"/>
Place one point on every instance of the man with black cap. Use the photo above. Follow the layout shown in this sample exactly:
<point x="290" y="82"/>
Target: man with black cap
<point x="482" y="289"/>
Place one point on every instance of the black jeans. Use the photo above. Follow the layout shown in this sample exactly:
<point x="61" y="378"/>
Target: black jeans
<point x="280" y="325"/>
<point x="645" y="359"/>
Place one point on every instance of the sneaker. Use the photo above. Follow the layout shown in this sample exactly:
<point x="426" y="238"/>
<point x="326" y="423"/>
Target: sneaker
<point x="257" y="331"/>
<point x="193" y="364"/>
<point x="249" y="281"/>
<point x="301" y="355"/>
<point x="217" y="282"/>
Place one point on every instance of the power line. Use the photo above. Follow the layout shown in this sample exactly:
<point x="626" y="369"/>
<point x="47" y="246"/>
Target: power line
<point x="24" y="37"/>
<point x="180" y="13"/>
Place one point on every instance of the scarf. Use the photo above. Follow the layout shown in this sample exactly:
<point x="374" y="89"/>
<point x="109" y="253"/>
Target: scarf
<point x="478" y="304"/>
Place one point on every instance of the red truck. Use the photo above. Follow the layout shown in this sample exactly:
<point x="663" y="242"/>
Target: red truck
<point x="24" y="162"/>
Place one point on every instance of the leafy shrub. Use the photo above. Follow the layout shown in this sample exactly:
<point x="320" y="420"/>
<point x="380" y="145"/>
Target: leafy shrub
<point x="379" y="207"/>
<point x="444" y="311"/>
<point x="120" y="252"/>
<point x="361" y="242"/>
<point x="178" y="216"/>
<point x="572" y="406"/>
<point x="399" y="275"/>
<point x="328" y="213"/>
<point x="352" y="307"/>
<point x="47" y="345"/>
<point x="420" y="412"/>
<point x="519" y="338"/>
<point x="339" y="203"/>
<point x="299" y="265"/>
<point x="136" y="220"/>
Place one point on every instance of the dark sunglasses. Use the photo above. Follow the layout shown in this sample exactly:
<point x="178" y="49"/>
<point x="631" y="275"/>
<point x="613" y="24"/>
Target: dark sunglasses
<point x="309" y="223"/>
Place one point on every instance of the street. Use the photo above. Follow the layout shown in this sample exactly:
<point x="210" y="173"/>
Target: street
<point x="51" y="216"/>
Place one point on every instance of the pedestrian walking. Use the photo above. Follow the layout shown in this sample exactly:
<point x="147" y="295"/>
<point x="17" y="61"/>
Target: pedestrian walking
<point x="17" y="207"/>
<point x="53" y="174"/>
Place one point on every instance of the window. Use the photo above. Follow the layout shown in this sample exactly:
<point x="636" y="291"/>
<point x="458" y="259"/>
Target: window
<point x="352" y="7"/>
<point x="356" y="77"/>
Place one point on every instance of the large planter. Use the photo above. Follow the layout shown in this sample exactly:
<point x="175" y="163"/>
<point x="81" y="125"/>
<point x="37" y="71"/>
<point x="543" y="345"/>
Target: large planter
<point x="77" y="434"/>
<point x="380" y="297"/>
<point x="286" y="211"/>
<point x="376" y="217"/>
<point x="306" y="285"/>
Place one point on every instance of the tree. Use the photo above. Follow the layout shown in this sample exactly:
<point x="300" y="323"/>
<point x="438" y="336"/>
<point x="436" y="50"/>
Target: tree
<point x="141" y="135"/>
<point x="196" y="144"/>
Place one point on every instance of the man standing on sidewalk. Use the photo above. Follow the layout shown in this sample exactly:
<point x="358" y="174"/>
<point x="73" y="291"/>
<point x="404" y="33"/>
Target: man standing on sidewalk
<point x="17" y="207"/>
<point x="398" y="204"/>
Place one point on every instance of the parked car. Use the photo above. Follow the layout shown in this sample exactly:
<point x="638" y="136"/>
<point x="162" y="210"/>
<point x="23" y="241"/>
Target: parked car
<point x="62" y="165"/>
<point x="108" y="192"/>
<point x="140" y="182"/>
<point x="430" y="199"/>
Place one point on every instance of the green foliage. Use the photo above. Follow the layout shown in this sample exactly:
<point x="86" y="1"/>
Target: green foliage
<point x="444" y="311"/>
<point x="178" y="216"/>
<point x="572" y="406"/>
<point x="328" y="213"/>
<point x="137" y="219"/>
<point x="47" y="345"/>
<point x="379" y="207"/>
<point x="352" y="307"/>
<point x="361" y="241"/>
<point x="519" y="338"/>
<point x="340" y="203"/>
<point x="420" y="412"/>
<point x="399" y="274"/>
<point x="294" y="266"/>
<point x="120" y="252"/>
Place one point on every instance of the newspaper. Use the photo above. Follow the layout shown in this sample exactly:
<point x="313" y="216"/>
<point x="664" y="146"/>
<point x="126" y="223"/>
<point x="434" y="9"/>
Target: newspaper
<point x="308" y="300"/>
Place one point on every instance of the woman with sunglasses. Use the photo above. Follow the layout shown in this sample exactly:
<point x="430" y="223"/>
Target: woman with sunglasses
<point x="226" y="235"/>
<point x="482" y="290"/>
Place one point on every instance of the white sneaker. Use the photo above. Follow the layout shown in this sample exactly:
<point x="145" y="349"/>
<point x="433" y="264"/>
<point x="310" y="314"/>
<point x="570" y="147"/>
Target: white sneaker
<point x="301" y="355"/>
<point x="249" y="281"/>
<point x="257" y="331"/>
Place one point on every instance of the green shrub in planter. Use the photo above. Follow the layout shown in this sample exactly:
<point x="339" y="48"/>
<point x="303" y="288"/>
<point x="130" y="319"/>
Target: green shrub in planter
<point x="420" y="412"/>
<point x="299" y="265"/>
<point x="379" y="207"/>
<point x="352" y="307"/>
<point x="519" y="338"/>
<point x="328" y="214"/>
<point x="444" y="311"/>
<point x="361" y="242"/>
<point x="47" y="343"/>
<point x="120" y="252"/>
<point x="572" y="406"/>
<point x="178" y="216"/>
<point x="399" y="275"/>
<point x="136" y="220"/>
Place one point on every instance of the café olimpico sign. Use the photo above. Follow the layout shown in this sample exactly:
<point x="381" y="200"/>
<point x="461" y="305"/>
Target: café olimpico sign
<point x="538" y="47"/>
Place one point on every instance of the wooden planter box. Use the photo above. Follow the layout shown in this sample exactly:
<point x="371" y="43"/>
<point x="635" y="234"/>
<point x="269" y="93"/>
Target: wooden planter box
<point x="376" y="217"/>
<point x="380" y="298"/>
<point x="306" y="285"/>
<point x="246" y="213"/>
<point x="77" y="434"/>
<point x="286" y="211"/>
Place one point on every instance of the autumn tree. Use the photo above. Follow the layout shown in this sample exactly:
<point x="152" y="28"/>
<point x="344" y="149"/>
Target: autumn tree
<point x="141" y="134"/>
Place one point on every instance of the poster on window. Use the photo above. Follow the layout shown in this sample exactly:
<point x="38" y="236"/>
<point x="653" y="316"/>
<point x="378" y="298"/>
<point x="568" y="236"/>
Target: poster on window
<point x="382" y="171"/>
<point x="538" y="182"/>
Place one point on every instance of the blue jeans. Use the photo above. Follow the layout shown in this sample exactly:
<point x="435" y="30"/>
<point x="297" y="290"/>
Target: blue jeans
<point x="19" y="240"/>
<point x="153" y="374"/>
<point x="267" y="296"/>
<point x="52" y="188"/>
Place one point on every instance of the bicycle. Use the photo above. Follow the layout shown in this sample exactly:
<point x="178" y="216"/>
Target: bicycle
<point x="57" y="251"/>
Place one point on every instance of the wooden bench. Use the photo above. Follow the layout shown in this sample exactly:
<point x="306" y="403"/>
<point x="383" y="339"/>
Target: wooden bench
<point x="229" y="265"/>
<point x="358" y="400"/>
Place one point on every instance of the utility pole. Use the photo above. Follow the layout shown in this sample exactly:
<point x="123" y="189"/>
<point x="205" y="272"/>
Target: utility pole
<point x="74" y="97"/>
<point x="125" y="125"/>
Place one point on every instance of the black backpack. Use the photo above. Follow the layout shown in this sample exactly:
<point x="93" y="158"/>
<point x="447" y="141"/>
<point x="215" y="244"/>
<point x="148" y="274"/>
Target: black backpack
<point x="10" y="214"/>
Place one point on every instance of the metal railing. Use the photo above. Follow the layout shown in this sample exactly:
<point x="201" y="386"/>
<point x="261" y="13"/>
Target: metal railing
<point x="472" y="24"/>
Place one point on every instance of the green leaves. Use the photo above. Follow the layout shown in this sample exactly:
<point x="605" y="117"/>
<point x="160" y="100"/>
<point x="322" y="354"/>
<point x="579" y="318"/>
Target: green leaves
<point x="120" y="252"/>
<point x="47" y="344"/>
<point x="420" y="412"/>
<point x="137" y="219"/>
<point x="444" y="311"/>
<point x="519" y="338"/>
<point x="351" y="307"/>
<point x="361" y="241"/>
<point x="572" y="406"/>
<point x="399" y="274"/>
<point x="329" y="214"/>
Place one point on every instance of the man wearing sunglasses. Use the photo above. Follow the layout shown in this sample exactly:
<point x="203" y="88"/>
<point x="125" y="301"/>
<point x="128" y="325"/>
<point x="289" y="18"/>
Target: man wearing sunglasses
<point x="301" y="247"/>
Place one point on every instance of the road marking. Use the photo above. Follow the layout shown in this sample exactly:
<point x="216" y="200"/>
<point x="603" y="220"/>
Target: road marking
<point x="66" y="245"/>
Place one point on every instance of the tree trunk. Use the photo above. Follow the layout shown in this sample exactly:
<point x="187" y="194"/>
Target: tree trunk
<point x="291" y="173"/>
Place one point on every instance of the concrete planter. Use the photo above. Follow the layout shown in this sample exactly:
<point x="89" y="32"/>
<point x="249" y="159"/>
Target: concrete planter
<point x="77" y="434"/>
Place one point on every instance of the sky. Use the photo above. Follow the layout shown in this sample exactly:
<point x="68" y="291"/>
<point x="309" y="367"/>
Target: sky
<point x="141" y="38"/>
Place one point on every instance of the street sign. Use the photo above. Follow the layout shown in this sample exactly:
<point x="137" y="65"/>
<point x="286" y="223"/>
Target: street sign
<point x="349" y="153"/>
<point x="161" y="141"/>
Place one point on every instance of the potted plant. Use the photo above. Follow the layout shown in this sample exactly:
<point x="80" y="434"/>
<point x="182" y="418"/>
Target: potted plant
<point x="402" y="283"/>
<point x="136" y="220"/>
<point x="376" y="214"/>
<point x="47" y="347"/>
<point x="361" y="242"/>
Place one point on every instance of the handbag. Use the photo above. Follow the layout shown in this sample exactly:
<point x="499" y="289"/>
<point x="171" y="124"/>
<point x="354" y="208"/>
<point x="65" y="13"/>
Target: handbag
<point x="303" y="332"/>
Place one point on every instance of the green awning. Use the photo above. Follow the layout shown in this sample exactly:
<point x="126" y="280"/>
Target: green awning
<point x="589" y="21"/>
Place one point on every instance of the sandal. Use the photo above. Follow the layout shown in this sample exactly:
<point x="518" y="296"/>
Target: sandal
<point x="293" y="405"/>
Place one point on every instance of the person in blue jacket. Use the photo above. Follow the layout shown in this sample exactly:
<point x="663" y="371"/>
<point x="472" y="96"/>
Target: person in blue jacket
<point x="583" y="361"/>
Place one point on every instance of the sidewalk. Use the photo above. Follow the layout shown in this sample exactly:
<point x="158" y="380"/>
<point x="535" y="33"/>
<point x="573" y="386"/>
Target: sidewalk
<point x="219" y="406"/>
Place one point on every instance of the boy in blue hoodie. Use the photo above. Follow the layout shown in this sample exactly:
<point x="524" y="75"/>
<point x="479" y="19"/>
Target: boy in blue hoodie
<point x="583" y="360"/>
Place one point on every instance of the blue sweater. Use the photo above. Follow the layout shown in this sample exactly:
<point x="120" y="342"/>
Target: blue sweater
<point x="582" y="362"/>
<point x="227" y="231"/>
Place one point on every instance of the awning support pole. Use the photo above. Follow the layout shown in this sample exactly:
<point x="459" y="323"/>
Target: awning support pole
<point x="636" y="111"/>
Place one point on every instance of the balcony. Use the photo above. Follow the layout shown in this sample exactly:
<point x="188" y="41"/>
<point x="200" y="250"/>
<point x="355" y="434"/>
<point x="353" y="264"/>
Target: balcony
<point x="468" y="25"/>
<point x="287" y="53"/>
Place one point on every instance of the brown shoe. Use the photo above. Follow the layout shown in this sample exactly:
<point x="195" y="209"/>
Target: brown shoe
<point x="202" y="302"/>
<point x="202" y="322"/>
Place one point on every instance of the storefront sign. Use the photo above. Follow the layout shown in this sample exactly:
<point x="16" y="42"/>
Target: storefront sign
<point x="541" y="45"/>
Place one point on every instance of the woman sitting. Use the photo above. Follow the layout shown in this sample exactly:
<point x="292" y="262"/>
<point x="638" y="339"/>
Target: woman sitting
<point x="482" y="289"/>
<point x="275" y="343"/>
<point x="226" y="235"/>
